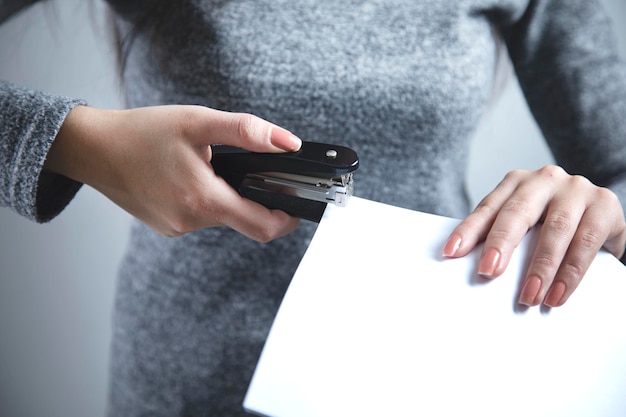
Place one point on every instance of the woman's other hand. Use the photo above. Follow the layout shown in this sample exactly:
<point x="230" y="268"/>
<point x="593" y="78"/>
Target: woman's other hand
<point x="155" y="162"/>
<point x="578" y="218"/>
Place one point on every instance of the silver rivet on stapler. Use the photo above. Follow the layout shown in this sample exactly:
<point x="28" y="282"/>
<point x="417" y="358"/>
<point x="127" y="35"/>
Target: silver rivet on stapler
<point x="331" y="153"/>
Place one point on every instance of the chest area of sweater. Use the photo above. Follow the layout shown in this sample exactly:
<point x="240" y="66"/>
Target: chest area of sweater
<point x="424" y="57"/>
<point x="415" y="61"/>
<point x="330" y="43"/>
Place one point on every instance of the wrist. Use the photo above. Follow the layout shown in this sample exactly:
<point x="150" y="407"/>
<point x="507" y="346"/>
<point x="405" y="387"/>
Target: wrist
<point x="76" y="152"/>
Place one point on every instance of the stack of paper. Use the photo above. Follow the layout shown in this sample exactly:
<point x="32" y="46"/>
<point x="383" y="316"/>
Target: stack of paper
<point x="377" y="323"/>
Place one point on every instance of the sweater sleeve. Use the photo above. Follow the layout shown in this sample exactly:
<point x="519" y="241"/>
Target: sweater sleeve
<point x="565" y="56"/>
<point x="29" y="123"/>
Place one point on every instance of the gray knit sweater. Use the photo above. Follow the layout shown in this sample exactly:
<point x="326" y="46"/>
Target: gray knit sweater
<point x="402" y="82"/>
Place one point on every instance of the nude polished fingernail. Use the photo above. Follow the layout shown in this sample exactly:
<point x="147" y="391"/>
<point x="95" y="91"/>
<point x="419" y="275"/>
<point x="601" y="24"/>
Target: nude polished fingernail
<point x="452" y="246"/>
<point x="285" y="140"/>
<point x="530" y="291"/>
<point x="489" y="263"/>
<point x="555" y="294"/>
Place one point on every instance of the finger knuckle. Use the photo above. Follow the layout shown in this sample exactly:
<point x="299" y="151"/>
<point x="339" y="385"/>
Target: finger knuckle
<point x="248" y="128"/>
<point x="265" y="233"/>
<point x="559" y="223"/>
<point x="191" y="208"/>
<point x="517" y="206"/>
<point x="608" y="203"/>
<point x="189" y="122"/>
<point x="551" y="171"/>
<point x="164" y="230"/>
<point x="606" y="196"/>
<point x="589" y="238"/>
<point x="486" y="207"/>
<point x="578" y="182"/>
<point x="572" y="270"/>
<point x="515" y="175"/>
<point x="179" y="226"/>
<point x="503" y="235"/>
<point x="546" y="261"/>
<point x="172" y="233"/>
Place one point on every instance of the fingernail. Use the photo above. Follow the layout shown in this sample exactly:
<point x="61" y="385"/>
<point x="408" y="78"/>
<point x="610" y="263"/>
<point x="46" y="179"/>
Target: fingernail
<point x="452" y="246"/>
<point x="555" y="294"/>
<point x="489" y="263"/>
<point x="285" y="140"/>
<point x="529" y="292"/>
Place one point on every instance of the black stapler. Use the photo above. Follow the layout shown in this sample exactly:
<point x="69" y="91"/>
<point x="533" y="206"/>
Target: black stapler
<point x="300" y="183"/>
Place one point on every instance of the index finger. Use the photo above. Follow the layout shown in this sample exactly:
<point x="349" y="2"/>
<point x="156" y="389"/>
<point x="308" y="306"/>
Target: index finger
<point x="476" y="225"/>
<point x="244" y="131"/>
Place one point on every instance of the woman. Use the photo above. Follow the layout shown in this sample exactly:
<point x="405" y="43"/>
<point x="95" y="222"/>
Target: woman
<point x="403" y="83"/>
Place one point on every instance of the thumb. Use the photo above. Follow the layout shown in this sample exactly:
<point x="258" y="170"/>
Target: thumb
<point x="251" y="133"/>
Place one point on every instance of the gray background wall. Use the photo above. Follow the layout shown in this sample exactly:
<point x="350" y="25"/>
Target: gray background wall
<point x="57" y="280"/>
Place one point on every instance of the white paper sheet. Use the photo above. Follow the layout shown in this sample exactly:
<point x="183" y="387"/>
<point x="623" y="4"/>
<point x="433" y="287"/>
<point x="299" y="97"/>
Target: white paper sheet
<point x="376" y="323"/>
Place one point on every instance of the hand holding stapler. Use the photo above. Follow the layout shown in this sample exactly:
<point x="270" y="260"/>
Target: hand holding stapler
<point x="300" y="183"/>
